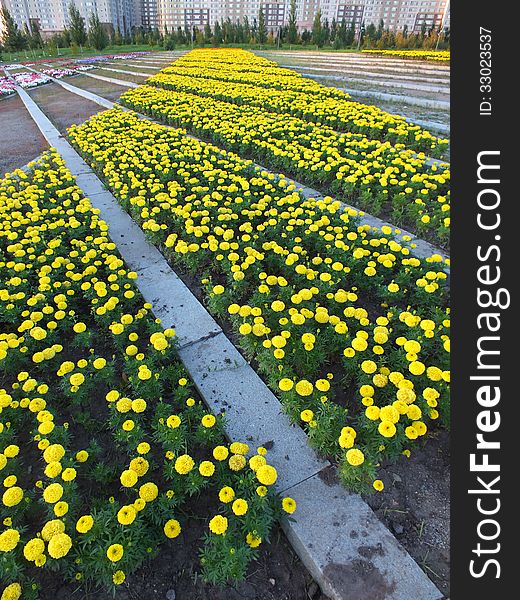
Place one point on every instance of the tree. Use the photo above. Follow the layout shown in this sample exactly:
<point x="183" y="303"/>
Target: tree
<point x="96" y="33"/>
<point x="351" y="34"/>
<point x="35" y="39"/>
<point x="292" y="32"/>
<point x="78" y="32"/>
<point x="217" y="34"/>
<point x="317" y="30"/>
<point x="340" y="41"/>
<point x="13" y="39"/>
<point x="262" y="29"/>
<point x="207" y="33"/>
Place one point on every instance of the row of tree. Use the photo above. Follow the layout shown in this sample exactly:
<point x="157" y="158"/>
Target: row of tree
<point x="77" y="34"/>
<point x="337" y="35"/>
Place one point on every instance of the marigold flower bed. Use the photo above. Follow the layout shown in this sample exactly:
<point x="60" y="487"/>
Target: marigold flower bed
<point x="226" y="75"/>
<point x="349" y="329"/>
<point x="435" y="55"/>
<point x="386" y="180"/>
<point x="103" y="440"/>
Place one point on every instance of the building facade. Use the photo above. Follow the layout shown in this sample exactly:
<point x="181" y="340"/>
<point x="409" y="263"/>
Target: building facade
<point x="123" y="15"/>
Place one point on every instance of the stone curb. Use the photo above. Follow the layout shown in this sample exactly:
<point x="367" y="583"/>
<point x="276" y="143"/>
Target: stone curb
<point x="336" y="561"/>
<point x="126" y="72"/>
<point x="121" y="82"/>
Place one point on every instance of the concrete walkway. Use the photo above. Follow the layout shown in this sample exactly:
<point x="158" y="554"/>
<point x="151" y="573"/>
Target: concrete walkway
<point x="347" y="550"/>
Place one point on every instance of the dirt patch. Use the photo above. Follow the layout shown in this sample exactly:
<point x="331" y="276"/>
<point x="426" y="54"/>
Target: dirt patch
<point x="415" y="506"/>
<point x="20" y="139"/>
<point x="62" y="107"/>
<point x="105" y="89"/>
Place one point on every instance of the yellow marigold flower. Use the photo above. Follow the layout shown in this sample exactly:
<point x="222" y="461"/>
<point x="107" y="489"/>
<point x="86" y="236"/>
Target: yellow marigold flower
<point x="253" y="540"/>
<point x="208" y="421"/>
<point x="307" y="415"/>
<point x="77" y="379"/>
<point x="239" y="507"/>
<point x="140" y="465"/>
<point x="12" y="592"/>
<point x="184" y="464"/>
<point x="323" y="385"/>
<point x="172" y="528"/>
<point x="61" y="508"/>
<point x="355" y="457"/>
<point x="289" y="505"/>
<point x="118" y="577"/>
<point x="59" y="545"/>
<point x="218" y="525"/>
<point x="115" y="552"/>
<point x="143" y="448"/>
<point x="12" y="496"/>
<point x="261" y="490"/>
<point x="239" y="448"/>
<point x="128" y="478"/>
<point x="33" y="549"/>
<point x="304" y="388"/>
<point x="257" y="461"/>
<point x="206" y="468"/>
<point x="126" y="515"/>
<point x="220" y="453"/>
<point x="53" y="453"/>
<point x="285" y="384"/>
<point x="387" y="429"/>
<point x="9" y="540"/>
<point x="53" y="493"/>
<point x="237" y="462"/>
<point x="378" y="485"/>
<point x="226" y="494"/>
<point x="173" y="421"/>
<point x="68" y="474"/>
<point x="267" y="475"/>
<point x="84" y="524"/>
<point x="148" y="492"/>
<point x="368" y="366"/>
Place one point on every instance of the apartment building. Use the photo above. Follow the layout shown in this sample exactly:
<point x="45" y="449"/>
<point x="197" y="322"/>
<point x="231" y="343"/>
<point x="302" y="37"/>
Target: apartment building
<point x="52" y="15"/>
<point x="395" y="14"/>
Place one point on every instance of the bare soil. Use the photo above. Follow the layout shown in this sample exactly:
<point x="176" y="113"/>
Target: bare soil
<point x="20" y="138"/>
<point x="415" y="506"/>
<point x="107" y="90"/>
<point x="63" y="107"/>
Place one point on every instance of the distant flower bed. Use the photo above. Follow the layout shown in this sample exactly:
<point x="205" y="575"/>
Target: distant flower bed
<point x="68" y="71"/>
<point x="6" y="87"/>
<point x="127" y="56"/>
<point x="440" y="55"/>
<point x="30" y="79"/>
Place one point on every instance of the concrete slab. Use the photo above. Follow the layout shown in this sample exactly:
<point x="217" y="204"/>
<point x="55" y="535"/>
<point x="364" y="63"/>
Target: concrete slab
<point x="174" y="304"/>
<point x="348" y="551"/>
<point x="228" y="384"/>
<point x="127" y="72"/>
<point x="121" y="82"/>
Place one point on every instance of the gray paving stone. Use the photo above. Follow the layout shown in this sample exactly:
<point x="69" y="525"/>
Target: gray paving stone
<point x="254" y="414"/>
<point x="129" y="84"/>
<point x="348" y="551"/>
<point x="175" y="305"/>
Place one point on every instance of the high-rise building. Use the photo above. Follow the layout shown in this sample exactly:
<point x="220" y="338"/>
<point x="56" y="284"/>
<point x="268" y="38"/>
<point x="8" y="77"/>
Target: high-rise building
<point x="52" y="15"/>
